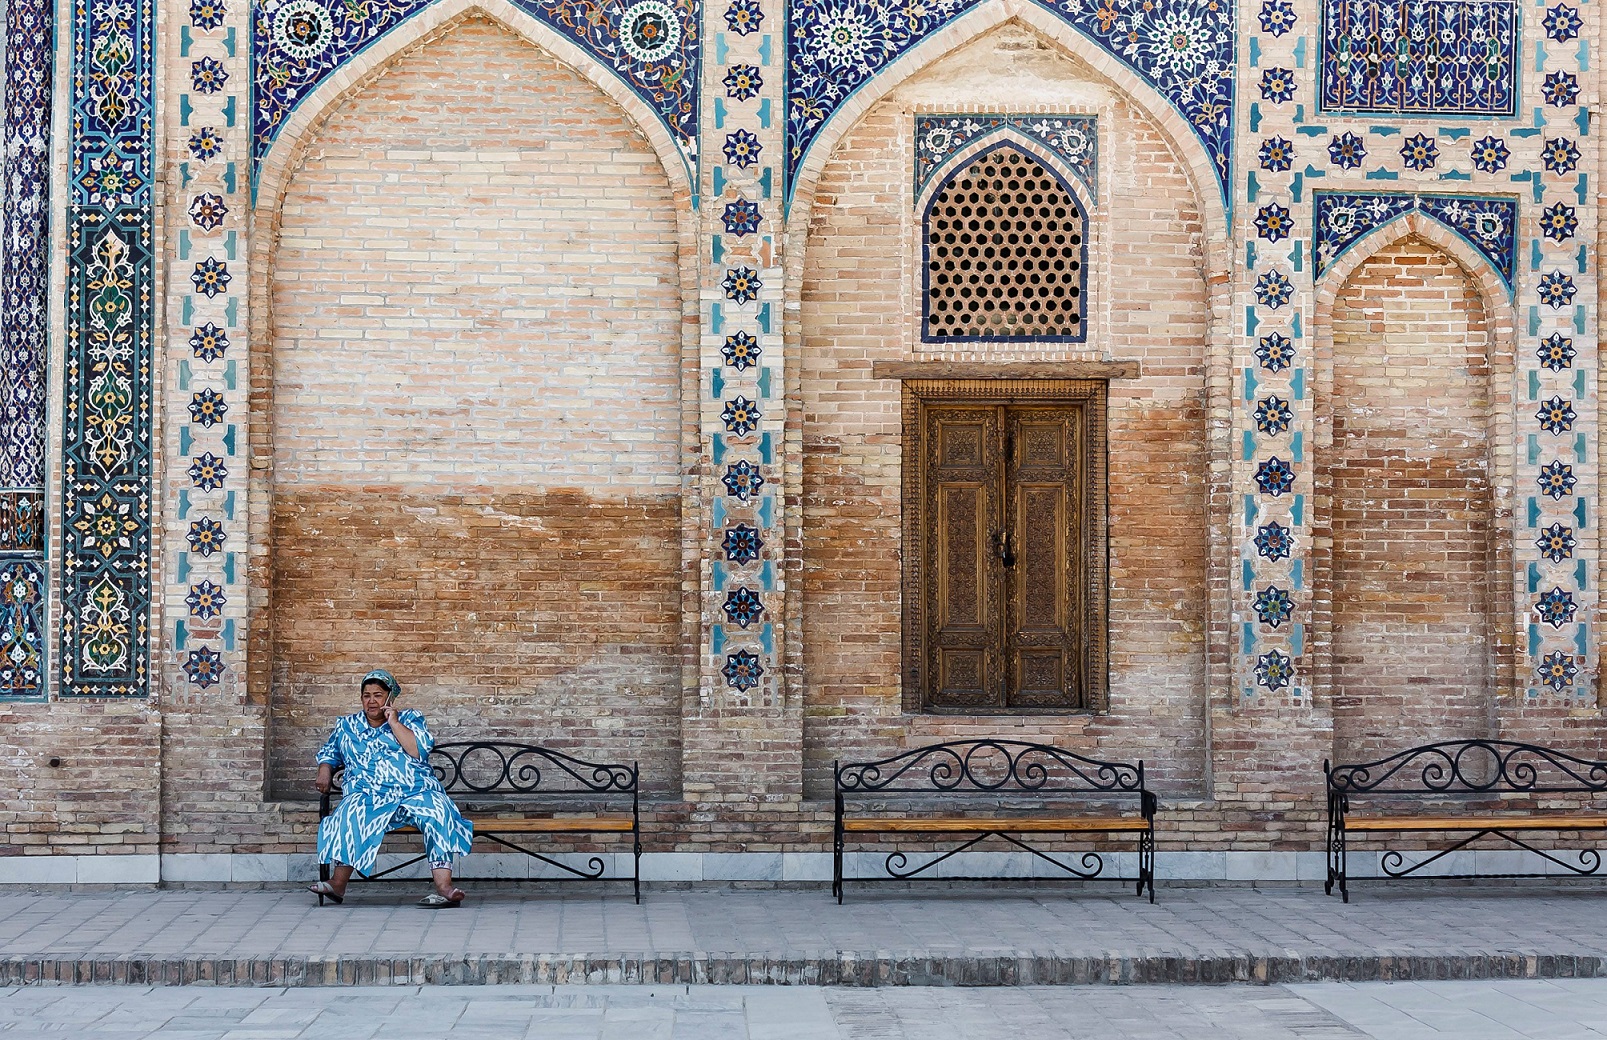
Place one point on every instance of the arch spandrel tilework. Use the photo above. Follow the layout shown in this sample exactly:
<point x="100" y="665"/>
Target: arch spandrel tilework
<point x="1185" y="49"/>
<point x="654" y="46"/>
<point x="1074" y="139"/>
<point x="1487" y="223"/>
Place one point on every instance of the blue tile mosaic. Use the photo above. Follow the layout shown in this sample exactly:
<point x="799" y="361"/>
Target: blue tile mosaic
<point x="1556" y="352"/>
<point x="1490" y="154"/>
<point x="1185" y="49"/>
<point x="25" y="141"/>
<point x="1419" y="153"/>
<point x="1557" y="670"/>
<point x="1073" y="139"/>
<point x="22" y="635"/>
<point x="110" y="315"/>
<point x="652" y="45"/>
<point x="1556" y="543"/>
<point x="1273" y="670"/>
<point x="1445" y="57"/>
<point x="1559" y="155"/>
<point x="1487" y="223"/>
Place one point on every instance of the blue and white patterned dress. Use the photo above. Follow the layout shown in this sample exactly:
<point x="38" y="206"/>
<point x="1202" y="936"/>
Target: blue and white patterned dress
<point x="386" y="789"/>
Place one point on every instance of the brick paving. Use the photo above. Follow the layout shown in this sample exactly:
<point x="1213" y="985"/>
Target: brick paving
<point x="931" y="935"/>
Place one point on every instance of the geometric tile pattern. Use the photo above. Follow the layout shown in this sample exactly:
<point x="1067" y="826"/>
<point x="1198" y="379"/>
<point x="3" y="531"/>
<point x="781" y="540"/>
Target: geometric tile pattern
<point x="1185" y="49"/>
<point x="653" y="45"/>
<point x="742" y="353"/>
<point x="24" y="340"/>
<point x="1074" y="139"/>
<point x="1487" y="223"/>
<point x="1445" y="57"/>
<point x="206" y="439"/>
<point x="1558" y="544"/>
<point x="106" y="408"/>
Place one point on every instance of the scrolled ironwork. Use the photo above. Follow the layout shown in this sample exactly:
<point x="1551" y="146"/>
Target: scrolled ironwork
<point x="498" y="767"/>
<point x="1473" y="767"/>
<point x="897" y="863"/>
<point x="988" y="766"/>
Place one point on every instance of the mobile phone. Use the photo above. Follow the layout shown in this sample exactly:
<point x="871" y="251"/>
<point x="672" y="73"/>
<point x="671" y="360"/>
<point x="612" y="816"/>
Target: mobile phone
<point x="392" y="698"/>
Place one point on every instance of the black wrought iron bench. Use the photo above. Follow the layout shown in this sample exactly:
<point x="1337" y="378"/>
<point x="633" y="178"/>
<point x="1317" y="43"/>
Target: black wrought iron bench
<point x="515" y="791"/>
<point x="1472" y="788"/>
<point x="1002" y="789"/>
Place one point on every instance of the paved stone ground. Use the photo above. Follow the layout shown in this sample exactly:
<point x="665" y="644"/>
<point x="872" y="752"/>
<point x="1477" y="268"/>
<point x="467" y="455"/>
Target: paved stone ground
<point x="932" y="935"/>
<point x="1489" y="1010"/>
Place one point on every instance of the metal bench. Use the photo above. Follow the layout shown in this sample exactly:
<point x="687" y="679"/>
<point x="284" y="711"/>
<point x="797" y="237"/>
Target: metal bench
<point x="1030" y="789"/>
<point x="522" y="791"/>
<point x="1473" y="788"/>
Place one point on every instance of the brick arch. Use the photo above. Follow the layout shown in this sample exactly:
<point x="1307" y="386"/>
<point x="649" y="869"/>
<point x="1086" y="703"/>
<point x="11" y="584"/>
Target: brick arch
<point x="611" y="520"/>
<point x="1498" y="599"/>
<point x="977" y="23"/>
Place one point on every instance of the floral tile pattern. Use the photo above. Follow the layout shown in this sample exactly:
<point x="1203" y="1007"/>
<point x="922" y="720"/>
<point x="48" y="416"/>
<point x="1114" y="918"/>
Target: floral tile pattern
<point x="1489" y="224"/>
<point x="1074" y="139"/>
<point x="654" y="46"/>
<point x="109" y="313"/>
<point x="1183" y="48"/>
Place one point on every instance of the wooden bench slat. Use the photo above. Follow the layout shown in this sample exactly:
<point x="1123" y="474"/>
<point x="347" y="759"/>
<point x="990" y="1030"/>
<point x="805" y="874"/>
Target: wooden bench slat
<point x="1475" y="823"/>
<point x="587" y="825"/>
<point x="976" y="824"/>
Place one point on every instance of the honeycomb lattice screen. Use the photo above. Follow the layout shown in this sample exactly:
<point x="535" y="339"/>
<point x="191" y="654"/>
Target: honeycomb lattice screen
<point x="1005" y="254"/>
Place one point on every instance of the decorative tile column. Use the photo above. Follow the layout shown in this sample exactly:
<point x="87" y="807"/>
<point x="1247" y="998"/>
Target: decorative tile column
<point x="743" y="736"/>
<point x="208" y="148"/>
<point x="110" y="317"/>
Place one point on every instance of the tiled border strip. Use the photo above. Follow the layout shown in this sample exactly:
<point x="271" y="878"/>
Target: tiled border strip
<point x="110" y="315"/>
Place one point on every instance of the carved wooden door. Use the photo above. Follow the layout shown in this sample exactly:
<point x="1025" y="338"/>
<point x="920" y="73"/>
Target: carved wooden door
<point x="1001" y="509"/>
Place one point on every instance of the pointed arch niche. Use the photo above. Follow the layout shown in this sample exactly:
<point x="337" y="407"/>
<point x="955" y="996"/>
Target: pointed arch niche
<point x="853" y="259"/>
<point x="1412" y="560"/>
<point x="469" y="369"/>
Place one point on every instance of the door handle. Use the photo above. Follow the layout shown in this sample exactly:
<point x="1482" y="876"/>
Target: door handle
<point x="1002" y="548"/>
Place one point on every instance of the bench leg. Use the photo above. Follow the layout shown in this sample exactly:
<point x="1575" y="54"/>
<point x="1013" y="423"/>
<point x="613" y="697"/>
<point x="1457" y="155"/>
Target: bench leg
<point x="636" y="856"/>
<point x="1338" y="855"/>
<point x="837" y="866"/>
<point x="1146" y="862"/>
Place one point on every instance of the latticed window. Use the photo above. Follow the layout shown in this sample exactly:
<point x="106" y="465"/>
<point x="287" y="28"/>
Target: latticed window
<point x="1006" y="254"/>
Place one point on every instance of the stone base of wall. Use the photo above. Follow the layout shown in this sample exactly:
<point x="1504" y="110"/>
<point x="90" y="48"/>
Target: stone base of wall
<point x="694" y="867"/>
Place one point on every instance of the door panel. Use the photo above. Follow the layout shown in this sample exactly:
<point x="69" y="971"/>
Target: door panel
<point x="1001" y="589"/>
<point x="962" y="596"/>
<point x="1042" y="624"/>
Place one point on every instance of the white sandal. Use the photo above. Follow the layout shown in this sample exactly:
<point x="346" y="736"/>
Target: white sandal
<point x="324" y="890"/>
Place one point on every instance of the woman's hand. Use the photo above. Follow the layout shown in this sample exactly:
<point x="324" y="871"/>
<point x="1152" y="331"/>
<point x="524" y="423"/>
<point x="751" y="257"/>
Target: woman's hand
<point x="404" y="736"/>
<point x="326" y="778"/>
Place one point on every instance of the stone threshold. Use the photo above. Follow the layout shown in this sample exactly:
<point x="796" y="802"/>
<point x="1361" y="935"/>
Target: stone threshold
<point x="835" y="968"/>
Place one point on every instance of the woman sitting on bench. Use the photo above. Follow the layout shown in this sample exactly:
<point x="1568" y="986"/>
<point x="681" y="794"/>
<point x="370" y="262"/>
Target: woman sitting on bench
<point x="388" y="784"/>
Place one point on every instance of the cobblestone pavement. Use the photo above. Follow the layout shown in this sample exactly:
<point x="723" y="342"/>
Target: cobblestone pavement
<point x="1491" y="1010"/>
<point x="932" y="935"/>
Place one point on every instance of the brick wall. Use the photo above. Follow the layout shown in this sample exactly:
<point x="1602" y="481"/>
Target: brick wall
<point x="1407" y="475"/>
<point x="1145" y="259"/>
<point x="476" y="413"/>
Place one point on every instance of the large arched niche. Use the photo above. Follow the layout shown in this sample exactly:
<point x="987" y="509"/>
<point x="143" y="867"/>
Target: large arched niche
<point x="471" y="393"/>
<point x="855" y="266"/>
<point x="1412" y="568"/>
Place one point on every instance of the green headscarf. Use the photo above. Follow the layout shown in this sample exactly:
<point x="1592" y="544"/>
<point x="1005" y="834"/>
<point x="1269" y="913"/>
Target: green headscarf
<point x="385" y="679"/>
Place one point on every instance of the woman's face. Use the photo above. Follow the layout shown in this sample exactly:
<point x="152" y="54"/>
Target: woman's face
<point x="374" y="697"/>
